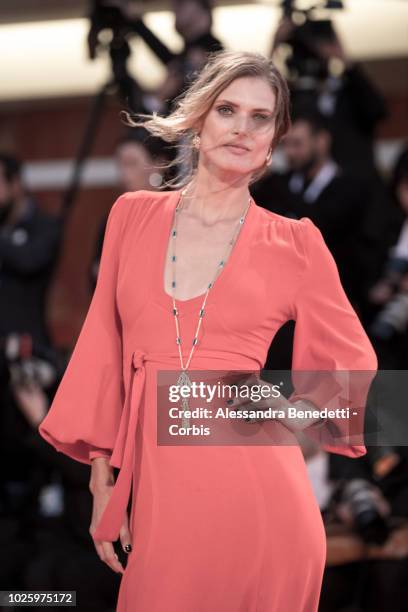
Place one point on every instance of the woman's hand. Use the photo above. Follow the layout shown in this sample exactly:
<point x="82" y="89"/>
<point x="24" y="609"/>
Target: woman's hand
<point x="101" y="487"/>
<point x="280" y="403"/>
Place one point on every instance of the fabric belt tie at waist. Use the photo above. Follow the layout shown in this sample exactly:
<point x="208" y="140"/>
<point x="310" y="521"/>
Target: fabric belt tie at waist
<point x="111" y="521"/>
<point x="123" y="454"/>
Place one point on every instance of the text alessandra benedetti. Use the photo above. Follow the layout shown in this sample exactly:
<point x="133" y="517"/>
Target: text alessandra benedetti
<point x="291" y="412"/>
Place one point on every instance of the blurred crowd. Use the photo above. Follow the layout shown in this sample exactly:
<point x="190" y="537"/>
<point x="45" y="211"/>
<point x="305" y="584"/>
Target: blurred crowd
<point x="328" y="173"/>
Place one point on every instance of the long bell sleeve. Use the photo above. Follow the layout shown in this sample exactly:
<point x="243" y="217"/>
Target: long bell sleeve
<point x="85" y="413"/>
<point x="333" y="361"/>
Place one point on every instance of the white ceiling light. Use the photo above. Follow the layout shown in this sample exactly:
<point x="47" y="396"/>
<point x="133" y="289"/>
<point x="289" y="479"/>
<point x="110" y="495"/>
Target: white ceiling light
<point x="45" y="59"/>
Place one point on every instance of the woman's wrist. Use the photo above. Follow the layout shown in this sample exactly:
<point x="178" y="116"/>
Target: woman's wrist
<point x="101" y="474"/>
<point x="298" y="424"/>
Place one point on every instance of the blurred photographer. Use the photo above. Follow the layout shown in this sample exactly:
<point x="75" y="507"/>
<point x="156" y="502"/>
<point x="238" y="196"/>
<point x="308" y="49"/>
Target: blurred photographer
<point x="366" y="522"/>
<point x="193" y="22"/>
<point x="321" y="74"/>
<point x="390" y="293"/>
<point x="29" y="242"/>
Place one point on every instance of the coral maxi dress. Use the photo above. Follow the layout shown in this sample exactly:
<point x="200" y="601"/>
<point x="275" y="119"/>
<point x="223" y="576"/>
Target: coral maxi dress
<point x="231" y="528"/>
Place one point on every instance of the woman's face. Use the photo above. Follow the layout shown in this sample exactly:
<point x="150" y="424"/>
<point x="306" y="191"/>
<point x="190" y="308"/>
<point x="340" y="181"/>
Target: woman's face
<point x="237" y="132"/>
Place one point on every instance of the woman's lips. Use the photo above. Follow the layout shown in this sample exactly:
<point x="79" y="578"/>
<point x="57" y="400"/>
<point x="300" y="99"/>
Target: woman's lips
<point x="236" y="149"/>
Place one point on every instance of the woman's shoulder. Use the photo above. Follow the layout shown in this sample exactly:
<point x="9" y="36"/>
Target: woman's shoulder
<point x="132" y="199"/>
<point x="132" y="204"/>
<point x="294" y="231"/>
<point x="286" y="222"/>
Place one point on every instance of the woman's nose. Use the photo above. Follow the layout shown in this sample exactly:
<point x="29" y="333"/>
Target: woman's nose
<point x="241" y="124"/>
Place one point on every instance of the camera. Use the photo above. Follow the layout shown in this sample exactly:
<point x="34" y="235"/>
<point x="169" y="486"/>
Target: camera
<point x="305" y="61"/>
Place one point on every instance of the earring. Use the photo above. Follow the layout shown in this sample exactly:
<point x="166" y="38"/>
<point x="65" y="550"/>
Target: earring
<point x="268" y="159"/>
<point x="196" y="141"/>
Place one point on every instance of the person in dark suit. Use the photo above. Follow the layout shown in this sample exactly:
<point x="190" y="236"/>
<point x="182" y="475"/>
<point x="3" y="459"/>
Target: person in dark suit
<point x="29" y="244"/>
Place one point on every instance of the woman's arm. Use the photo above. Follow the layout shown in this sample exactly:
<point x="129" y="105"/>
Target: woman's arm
<point x="85" y="413"/>
<point x="101" y="486"/>
<point x="101" y="474"/>
<point x="333" y="361"/>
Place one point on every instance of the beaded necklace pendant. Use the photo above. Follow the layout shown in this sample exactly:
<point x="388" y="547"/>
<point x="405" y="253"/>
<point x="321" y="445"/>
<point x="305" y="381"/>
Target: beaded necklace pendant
<point x="184" y="379"/>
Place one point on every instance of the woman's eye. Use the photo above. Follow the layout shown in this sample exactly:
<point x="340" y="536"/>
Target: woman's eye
<point x="222" y="108"/>
<point x="261" y="116"/>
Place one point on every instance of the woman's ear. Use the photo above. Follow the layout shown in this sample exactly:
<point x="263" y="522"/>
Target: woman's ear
<point x="271" y="149"/>
<point x="198" y="126"/>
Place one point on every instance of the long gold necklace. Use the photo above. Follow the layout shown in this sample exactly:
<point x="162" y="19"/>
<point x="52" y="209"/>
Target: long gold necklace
<point x="184" y="378"/>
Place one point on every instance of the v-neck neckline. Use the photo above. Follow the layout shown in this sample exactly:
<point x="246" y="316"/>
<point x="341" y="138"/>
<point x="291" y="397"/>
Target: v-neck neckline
<point x="235" y="255"/>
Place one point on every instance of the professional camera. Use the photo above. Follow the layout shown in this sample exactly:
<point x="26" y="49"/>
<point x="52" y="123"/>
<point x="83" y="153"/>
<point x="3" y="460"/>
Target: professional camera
<point x="306" y="61"/>
<point x="27" y="362"/>
<point x="364" y="504"/>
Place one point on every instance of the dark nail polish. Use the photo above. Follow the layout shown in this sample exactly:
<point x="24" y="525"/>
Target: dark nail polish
<point x="127" y="548"/>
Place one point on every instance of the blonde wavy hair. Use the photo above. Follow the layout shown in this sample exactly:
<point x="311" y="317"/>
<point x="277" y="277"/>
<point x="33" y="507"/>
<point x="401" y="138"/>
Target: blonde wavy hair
<point x="193" y="104"/>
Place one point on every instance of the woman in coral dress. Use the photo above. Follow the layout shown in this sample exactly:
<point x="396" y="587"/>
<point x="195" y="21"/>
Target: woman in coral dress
<point x="231" y="528"/>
